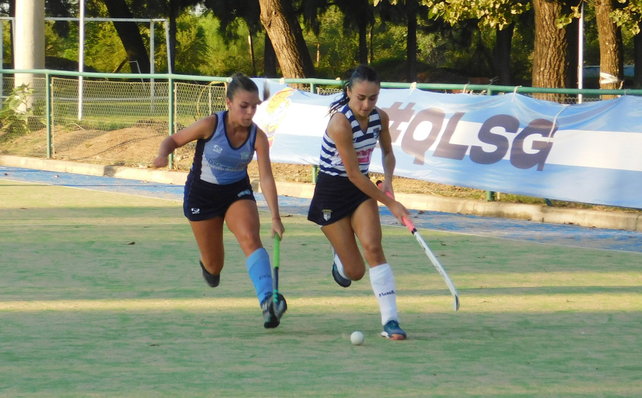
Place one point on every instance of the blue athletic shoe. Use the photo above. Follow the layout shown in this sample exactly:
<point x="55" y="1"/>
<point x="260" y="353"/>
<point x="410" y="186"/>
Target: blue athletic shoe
<point x="272" y="313"/>
<point x="341" y="281"/>
<point x="212" y="280"/>
<point x="391" y="330"/>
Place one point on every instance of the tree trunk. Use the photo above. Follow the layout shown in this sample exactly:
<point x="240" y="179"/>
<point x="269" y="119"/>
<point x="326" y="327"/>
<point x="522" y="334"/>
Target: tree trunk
<point x="610" y="44"/>
<point x="411" y="40"/>
<point x="270" y="64"/>
<point x="171" y="47"/>
<point x="269" y="58"/>
<point x="637" y="56"/>
<point x="250" y="42"/>
<point x="363" y="43"/>
<point x="572" y="55"/>
<point x="370" y="36"/>
<point x="551" y="47"/>
<point x="502" y="54"/>
<point x="12" y="13"/>
<point x="129" y="34"/>
<point x="281" y="25"/>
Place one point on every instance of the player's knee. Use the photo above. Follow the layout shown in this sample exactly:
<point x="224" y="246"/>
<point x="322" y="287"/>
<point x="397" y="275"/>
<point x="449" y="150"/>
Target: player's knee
<point x="372" y="250"/>
<point x="355" y="274"/>
<point x="249" y="240"/>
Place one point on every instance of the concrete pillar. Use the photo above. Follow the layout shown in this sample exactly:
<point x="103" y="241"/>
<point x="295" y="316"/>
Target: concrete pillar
<point x="29" y="44"/>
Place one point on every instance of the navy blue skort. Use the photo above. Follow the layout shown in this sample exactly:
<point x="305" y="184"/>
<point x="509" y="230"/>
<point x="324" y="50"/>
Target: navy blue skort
<point x="334" y="198"/>
<point x="203" y="200"/>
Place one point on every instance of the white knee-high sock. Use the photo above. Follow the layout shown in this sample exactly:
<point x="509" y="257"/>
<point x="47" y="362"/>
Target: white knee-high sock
<point x="383" y="285"/>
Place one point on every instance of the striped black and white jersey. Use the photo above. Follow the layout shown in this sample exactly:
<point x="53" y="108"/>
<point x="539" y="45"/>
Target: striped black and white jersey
<point x="364" y="143"/>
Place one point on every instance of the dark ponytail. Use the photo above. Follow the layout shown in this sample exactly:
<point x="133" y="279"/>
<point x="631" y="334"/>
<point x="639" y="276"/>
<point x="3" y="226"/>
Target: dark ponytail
<point x="360" y="73"/>
<point x="240" y="81"/>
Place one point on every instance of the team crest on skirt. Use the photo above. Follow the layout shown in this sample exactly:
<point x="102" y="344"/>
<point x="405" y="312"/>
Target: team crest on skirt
<point x="327" y="213"/>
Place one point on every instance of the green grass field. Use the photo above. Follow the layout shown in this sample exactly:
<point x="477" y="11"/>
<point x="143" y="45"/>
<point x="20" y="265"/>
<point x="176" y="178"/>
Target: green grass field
<point x="101" y="295"/>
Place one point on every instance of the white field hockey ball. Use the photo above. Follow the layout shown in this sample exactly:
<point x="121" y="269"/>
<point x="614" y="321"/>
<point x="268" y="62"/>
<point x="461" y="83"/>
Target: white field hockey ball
<point x="357" y="338"/>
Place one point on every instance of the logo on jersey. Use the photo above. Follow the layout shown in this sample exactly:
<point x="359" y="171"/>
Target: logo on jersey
<point x="217" y="149"/>
<point x="327" y="213"/>
<point x="246" y="192"/>
<point x="195" y="210"/>
<point x="246" y="155"/>
<point x="363" y="157"/>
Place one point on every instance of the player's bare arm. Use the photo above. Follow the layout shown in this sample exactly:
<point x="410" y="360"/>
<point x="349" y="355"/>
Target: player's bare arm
<point x="201" y="129"/>
<point x="268" y="186"/>
<point x="340" y="131"/>
<point x="388" y="157"/>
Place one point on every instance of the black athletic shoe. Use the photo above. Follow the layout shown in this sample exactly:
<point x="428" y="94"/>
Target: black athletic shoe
<point x="272" y="312"/>
<point x="212" y="280"/>
<point x="341" y="281"/>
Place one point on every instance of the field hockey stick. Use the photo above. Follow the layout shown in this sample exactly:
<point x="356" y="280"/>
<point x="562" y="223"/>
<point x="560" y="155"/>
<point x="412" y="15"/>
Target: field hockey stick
<point x="277" y="260"/>
<point x="411" y="227"/>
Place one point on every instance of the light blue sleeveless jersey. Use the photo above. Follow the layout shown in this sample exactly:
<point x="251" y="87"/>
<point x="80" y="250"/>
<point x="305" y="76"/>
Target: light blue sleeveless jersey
<point x="217" y="162"/>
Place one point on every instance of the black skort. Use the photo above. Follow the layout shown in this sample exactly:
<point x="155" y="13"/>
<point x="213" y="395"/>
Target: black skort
<point x="334" y="198"/>
<point x="203" y="200"/>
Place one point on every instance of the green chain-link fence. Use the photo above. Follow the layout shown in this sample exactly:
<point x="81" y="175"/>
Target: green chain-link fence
<point x="193" y="102"/>
<point x="114" y="122"/>
<point x="120" y="119"/>
<point x="19" y="139"/>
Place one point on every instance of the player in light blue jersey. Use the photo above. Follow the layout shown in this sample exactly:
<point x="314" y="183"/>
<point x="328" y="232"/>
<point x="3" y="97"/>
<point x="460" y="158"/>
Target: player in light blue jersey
<point x="218" y="190"/>
<point x="345" y="200"/>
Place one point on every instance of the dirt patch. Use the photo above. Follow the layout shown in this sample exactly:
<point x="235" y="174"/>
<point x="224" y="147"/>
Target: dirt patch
<point x="133" y="146"/>
<point x="130" y="146"/>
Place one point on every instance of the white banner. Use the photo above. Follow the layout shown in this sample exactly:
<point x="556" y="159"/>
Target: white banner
<point x="590" y="153"/>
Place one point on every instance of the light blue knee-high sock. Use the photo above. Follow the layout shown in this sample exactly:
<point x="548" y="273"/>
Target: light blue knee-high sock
<point x="258" y="266"/>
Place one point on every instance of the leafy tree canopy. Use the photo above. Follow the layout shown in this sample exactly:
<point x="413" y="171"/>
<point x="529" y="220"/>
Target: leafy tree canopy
<point x="493" y="13"/>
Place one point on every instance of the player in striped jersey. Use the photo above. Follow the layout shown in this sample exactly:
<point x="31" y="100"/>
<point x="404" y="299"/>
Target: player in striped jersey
<point x="345" y="200"/>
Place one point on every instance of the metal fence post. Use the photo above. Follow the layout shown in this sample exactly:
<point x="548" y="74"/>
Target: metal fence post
<point x="490" y="195"/>
<point x="48" y="111"/>
<point x="1" y="63"/>
<point x="171" y="106"/>
<point x="315" y="168"/>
